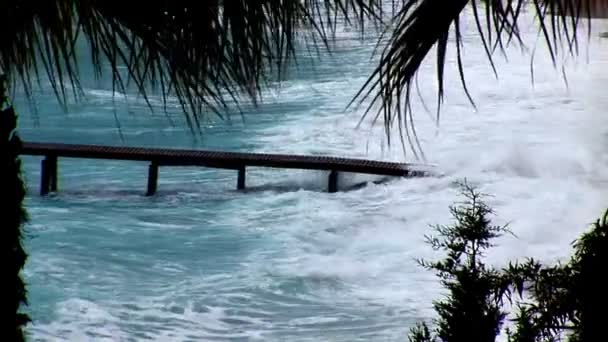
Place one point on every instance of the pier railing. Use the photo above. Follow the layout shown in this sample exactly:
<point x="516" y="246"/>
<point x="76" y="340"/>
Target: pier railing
<point x="238" y="161"/>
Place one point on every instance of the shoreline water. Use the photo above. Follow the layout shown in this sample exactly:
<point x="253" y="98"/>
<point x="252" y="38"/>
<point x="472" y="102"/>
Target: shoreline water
<point x="203" y="262"/>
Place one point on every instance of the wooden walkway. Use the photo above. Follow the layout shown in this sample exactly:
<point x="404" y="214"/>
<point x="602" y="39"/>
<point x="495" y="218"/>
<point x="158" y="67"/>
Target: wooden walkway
<point x="224" y="160"/>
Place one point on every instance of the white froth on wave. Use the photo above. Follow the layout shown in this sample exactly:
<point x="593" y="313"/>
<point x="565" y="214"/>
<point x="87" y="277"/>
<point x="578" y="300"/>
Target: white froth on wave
<point x="284" y="261"/>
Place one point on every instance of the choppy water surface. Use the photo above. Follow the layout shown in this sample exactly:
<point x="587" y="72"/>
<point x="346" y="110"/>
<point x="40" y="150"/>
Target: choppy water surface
<point x="283" y="260"/>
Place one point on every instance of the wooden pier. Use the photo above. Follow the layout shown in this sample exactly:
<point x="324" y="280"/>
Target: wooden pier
<point x="237" y="161"/>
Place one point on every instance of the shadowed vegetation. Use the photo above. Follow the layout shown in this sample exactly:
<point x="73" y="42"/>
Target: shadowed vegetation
<point x="13" y="217"/>
<point x="472" y="310"/>
<point x="563" y="302"/>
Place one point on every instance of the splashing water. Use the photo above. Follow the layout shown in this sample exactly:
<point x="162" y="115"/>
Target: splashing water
<point x="284" y="261"/>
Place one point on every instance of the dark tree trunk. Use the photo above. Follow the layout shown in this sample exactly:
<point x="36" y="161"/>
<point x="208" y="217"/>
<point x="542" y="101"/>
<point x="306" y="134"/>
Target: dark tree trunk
<point x="12" y="218"/>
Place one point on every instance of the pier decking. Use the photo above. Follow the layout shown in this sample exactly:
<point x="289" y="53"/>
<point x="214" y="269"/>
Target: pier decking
<point x="223" y="160"/>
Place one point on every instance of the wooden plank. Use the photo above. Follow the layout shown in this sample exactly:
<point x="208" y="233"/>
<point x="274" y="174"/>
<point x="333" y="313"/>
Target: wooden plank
<point x="226" y="160"/>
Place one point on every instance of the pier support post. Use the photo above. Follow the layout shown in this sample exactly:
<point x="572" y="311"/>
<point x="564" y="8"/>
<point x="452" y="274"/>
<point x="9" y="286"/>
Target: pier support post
<point x="44" y="177"/>
<point x="48" y="175"/>
<point x="240" y="184"/>
<point x="152" y="179"/>
<point x="52" y="164"/>
<point x="332" y="185"/>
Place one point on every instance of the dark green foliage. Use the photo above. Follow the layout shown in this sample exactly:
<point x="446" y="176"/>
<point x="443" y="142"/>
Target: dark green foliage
<point x="420" y="333"/>
<point x="590" y="285"/>
<point x="566" y="300"/>
<point x="472" y="310"/>
<point x="552" y="303"/>
<point x="525" y="328"/>
<point x="12" y="218"/>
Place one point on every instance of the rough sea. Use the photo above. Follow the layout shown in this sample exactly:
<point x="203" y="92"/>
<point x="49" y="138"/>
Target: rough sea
<point x="285" y="260"/>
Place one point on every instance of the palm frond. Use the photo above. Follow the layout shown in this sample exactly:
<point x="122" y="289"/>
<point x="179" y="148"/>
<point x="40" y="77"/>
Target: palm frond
<point x="206" y="53"/>
<point x="212" y="53"/>
<point x="422" y="25"/>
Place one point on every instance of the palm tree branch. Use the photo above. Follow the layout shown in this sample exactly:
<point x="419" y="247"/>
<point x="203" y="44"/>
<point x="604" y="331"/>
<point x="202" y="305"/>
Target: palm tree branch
<point x="214" y="53"/>
<point x="425" y="24"/>
<point x="203" y="53"/>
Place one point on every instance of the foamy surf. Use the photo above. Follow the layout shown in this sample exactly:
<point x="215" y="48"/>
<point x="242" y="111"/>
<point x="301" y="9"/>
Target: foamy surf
<point x="285" y="261"/>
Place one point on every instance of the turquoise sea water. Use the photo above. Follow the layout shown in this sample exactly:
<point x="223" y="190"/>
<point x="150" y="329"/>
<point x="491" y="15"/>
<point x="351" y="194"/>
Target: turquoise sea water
<point x="285" y="261"/>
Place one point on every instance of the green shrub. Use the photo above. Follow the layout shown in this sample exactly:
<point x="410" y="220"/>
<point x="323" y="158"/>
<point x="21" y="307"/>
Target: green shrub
<point x="567" y="300"/>
<point x="553" y="303"/>
<point x="13" y="217"/>
<point x="472" y="310"/>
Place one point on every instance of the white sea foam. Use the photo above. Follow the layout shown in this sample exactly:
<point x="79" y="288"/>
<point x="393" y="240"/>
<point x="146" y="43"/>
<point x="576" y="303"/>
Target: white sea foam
<point x="285" y="261"/>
